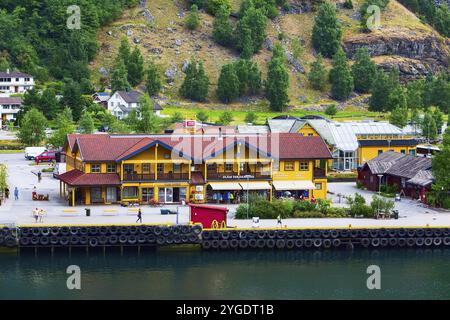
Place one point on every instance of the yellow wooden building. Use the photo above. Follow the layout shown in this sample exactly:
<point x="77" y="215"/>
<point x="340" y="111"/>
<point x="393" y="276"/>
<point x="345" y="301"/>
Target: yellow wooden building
<point x="105" y="168"/>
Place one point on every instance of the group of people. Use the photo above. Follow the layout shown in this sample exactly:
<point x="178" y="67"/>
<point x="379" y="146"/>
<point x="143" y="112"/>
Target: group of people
<point x="38" y="215"/>
<point x="16" y="194"/>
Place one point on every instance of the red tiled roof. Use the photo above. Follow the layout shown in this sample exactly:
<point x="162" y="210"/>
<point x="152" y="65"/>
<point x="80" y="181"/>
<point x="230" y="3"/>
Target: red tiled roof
<point x="276" y="145"/>
<point x="78" y="178"/>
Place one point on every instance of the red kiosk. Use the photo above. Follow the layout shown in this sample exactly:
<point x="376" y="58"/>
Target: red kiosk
<point x="211" y="217"/>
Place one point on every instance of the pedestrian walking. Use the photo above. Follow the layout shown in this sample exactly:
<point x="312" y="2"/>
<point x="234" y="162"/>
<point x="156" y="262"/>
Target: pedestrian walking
<point x="16" y="193"/>
<point x="279" y="220"/>
<point x="41" y="215"/>
<point x="36" y="214"/>
<point x="7" y="193"/>
<point x="39" y="174"/>
<point x="139" y="216"/>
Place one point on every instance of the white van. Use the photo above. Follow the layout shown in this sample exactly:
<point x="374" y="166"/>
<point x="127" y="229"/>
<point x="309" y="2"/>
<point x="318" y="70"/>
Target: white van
<point x="32" y="152"/>
<point x="60" y="168"/>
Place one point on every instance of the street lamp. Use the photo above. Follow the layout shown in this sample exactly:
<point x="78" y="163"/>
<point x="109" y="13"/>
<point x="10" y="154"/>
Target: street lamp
<point x="379" y="193"/>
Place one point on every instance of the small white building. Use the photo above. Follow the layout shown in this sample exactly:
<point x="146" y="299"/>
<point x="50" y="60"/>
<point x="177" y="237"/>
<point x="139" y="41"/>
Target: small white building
<point x="15" y="82"/>
<point x="122" y="102"/>
<point x="9" y="107"/>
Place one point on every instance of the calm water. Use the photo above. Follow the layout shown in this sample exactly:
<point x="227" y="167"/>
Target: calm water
<point x="414" y="274"/>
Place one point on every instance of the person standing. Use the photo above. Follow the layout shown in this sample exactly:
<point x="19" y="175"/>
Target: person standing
<point x="139" y="216"/>
<point x="39" y="174"/>
<point x="16" y="193"/>
<point x="7" y="193"/>
<point x="36" y="215"/>
<point x="41" y="215"/>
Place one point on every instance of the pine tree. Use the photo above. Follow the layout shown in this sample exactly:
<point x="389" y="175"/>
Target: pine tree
<point x="135" y="68"/>
<point x="327" y="32"/>
<point x="193" y="19"/>
<point x="245" y="5"/>
<point x="382" y="98"/>
<point x="196" y="83"/>
<point x="215" y="5"/>
<point x="48" y="104"/>
<point x="363" y="71"/>
<point x="73" y="99"/>
<point x="341" y="77"/>
<point x="242" y="69"/>
<point x="317" y="77"/>
<point x="277" y="81"/>
<point x="119" y="78"/>
<point x="251" y="27"/>
<point x="124" y="51"/>
<point x="222" y="29"/>
<point x="254" y="79"/>
<point x="153" y="84"/>
<point x="228" y="84"/>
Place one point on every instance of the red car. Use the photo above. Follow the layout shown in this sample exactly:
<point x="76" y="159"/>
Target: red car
<point x="47" y="156"/>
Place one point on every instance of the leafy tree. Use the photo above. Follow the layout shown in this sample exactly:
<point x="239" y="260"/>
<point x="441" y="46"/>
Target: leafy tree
<point x="317" y="77"/>
<point x="225" y="118"/>
<point x="222" y="29"/>
<point x="363" y="70"/>
<point x="149" y="122"/>
<point x="64" y="127"/>
<point x="196" y="83"/>
<point x="399" y="117"/>
<point x="135" y="68"/>
<point x="331" y="110"/>
<point x="438" y="117"/>
<point x="398" y="98"/>
<point x="32" y="128"/>
<point x="277" y="83"/>
<point x="193" y="19"/>
<point x="153" y="83"/>
<point x="441" y="172"/>
<point x="437" y="92"/>
<point x="86" y="123"/>
<point x="228" y="84"/>
<point x="202" y="116"/>
<point x="414" y="94"/>
<point x="327" y="33"/>
<point x="251" y="117"/>
<point x="341" y="77"/>
<point x="119" y="78"/>
<point x="48" y="103"/>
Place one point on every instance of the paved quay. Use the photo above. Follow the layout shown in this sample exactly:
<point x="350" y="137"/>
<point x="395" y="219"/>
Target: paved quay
<point x="22" y="173"/>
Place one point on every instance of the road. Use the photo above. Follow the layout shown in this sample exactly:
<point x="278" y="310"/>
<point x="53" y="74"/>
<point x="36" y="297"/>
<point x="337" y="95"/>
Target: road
<point x="21" y="173"/>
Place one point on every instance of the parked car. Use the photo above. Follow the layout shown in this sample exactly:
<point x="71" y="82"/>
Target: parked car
<point x="47" y="156"/>
<point x="33" y="152"/>
<point x="59" y="169"/>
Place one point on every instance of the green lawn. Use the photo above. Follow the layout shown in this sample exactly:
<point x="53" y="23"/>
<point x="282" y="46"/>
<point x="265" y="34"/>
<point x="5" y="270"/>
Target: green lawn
<point x="239" y="116"/>
<point x="10" y="151"/>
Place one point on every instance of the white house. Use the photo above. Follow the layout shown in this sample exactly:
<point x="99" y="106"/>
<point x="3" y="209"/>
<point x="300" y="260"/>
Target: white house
<point x="15" y="82"/>
<point x="9" y="107"/>
<point x="122" y="102"/>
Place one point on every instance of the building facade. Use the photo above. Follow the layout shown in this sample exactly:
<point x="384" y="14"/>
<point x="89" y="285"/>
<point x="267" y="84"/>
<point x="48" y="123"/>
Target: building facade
<point x="9" y="107"/>
<point x="121" y="103"/>
<point x="199" y="168"/>
<point x="15" y="82"/>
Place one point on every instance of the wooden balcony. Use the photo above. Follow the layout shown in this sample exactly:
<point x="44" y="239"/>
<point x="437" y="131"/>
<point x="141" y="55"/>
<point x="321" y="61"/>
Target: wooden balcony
<point x="319" y="173"/>
<point x="137" y="177"/>
<point x="145" y="177"/>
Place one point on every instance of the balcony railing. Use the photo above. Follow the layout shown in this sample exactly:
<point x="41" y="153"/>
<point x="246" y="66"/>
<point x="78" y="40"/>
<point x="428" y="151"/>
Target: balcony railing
<point x="319" y="173"/>
<point x="138" y="176"/>
<point x="173" y="176"/>
<point x="151" y="176"/>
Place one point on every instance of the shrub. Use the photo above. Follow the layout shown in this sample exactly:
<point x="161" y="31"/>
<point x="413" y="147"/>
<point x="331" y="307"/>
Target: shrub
<point x="331" y="110"/>
<point x="380" y="204"/>
<point x="446" y="203"/>
<point x="389" y="189"/>
<point x="360" y="185"/>
<point x="308" y="214"/>
<point x="323" y="205"/>
<point x="304" y="206"/>
<point x="334" y="212"/>
<point x="193" y="20"/>
<point x="358" y="206"/>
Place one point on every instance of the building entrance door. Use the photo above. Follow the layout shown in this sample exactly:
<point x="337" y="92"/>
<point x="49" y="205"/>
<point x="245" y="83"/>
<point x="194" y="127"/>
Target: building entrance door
<point x="111" y="194"/>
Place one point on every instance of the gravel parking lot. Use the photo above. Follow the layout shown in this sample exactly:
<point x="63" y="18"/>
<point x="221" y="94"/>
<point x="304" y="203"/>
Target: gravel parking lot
<point x="22" y="173"/>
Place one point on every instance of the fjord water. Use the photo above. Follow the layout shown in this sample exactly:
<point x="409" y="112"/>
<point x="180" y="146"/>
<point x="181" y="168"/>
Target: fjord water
<point x="405" y="274"/>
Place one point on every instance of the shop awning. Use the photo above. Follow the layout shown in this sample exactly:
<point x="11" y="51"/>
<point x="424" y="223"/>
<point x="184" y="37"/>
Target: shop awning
<point x="293" y="185"/>
<point x="256" y="185"/>
<point x="225" y="186"/>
